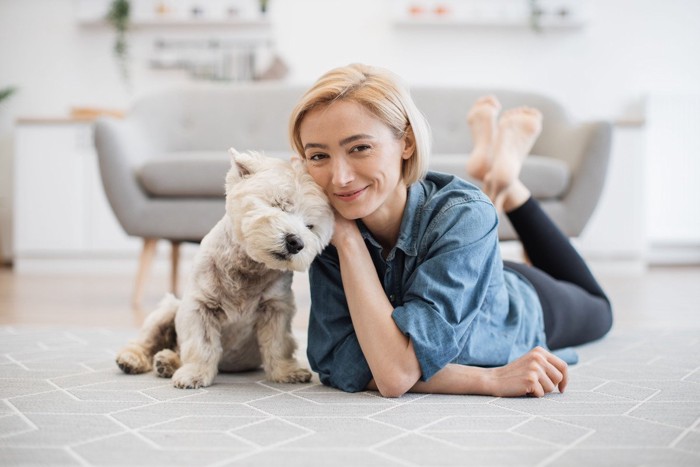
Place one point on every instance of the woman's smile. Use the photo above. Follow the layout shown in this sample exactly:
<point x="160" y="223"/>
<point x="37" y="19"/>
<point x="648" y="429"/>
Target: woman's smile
<point x="350" y="195"/>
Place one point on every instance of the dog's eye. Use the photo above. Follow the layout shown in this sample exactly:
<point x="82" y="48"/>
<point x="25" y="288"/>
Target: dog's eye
<point x="310" y="226"/>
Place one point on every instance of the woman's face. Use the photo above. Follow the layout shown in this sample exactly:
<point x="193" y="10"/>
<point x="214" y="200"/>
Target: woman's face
<point x="356" y="159"/>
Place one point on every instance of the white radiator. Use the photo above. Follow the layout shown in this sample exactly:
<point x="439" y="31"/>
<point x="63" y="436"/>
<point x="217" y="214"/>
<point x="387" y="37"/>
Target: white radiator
<point x="673" y="170"/>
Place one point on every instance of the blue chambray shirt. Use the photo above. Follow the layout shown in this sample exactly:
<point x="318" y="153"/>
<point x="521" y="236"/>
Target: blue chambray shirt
<point x="445" y="278"/>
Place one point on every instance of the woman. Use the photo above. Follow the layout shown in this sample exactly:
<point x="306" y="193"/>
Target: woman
<point x="412" y="294"/>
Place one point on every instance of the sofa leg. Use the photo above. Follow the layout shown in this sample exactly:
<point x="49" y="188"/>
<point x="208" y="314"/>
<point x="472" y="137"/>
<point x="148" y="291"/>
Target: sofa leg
<point x="149" y="250"/>
<point x="175" y="265"/>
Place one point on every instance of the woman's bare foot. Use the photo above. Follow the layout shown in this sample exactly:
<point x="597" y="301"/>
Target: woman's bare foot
<point x="482" y="122"/>
<point x="517" y="131"/>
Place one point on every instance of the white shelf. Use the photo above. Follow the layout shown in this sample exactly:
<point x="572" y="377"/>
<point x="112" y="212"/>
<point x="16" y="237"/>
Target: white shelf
<point x="149" y="13"/>
<point x="487" y="23"/>
<point x="204" y="22"/>
<point x="194" y="22"/>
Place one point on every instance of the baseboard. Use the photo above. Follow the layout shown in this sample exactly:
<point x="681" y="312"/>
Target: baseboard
<point x="660" y="254"/>
<point x="99" y="263"/>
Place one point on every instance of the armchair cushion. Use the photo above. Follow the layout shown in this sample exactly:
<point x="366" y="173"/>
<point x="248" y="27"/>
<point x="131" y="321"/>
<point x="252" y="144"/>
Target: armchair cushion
<point x="185" y="174"/>
<point x="546" y="177"/>
<point x="188" y="174"/>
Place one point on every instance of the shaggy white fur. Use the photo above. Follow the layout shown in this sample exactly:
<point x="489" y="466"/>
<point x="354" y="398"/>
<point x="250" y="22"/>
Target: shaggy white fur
<point x="236" y="312"/>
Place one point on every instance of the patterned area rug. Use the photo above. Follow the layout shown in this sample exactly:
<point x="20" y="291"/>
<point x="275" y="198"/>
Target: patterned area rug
<point x="633" y="400"/>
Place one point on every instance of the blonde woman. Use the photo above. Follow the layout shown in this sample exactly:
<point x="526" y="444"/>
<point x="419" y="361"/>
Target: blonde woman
<point x="412" y="295"/>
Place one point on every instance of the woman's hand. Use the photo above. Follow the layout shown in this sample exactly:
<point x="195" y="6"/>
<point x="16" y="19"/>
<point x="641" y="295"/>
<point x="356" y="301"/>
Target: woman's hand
<point x="343" y="230"/>
<point x="536" y="373"/>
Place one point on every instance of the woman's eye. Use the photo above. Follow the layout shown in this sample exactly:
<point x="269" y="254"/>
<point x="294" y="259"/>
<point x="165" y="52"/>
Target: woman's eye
<point x="360" y="148"/>
<point x="317" y="157"/>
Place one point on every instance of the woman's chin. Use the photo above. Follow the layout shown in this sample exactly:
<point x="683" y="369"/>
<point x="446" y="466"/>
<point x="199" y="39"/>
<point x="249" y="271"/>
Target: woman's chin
<point x="350" y="212"/>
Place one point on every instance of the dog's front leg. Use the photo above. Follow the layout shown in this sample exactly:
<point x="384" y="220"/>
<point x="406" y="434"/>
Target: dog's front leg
<point x="277" y="345"/>
<point x="199" y="337"/>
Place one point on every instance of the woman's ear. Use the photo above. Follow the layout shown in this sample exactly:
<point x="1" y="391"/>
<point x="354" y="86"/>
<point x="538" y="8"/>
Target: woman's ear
<point x="409" y="142"/>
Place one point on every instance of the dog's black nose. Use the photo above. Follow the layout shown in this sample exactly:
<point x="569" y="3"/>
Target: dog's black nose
<point x="294" y="243"/>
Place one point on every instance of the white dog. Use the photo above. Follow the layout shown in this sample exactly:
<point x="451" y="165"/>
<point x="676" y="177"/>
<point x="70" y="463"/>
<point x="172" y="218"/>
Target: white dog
<point x="236" y="312"/>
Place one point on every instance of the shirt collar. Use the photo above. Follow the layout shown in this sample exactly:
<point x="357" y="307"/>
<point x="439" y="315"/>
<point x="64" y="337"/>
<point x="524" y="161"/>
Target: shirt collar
<point x="410" y="223"/>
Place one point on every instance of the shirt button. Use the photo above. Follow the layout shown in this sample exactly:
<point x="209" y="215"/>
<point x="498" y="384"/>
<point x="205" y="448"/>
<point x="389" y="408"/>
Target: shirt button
<point x="392" y="297"/>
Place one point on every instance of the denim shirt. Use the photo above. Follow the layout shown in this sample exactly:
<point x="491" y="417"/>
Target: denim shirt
<point x="447" y="283"/>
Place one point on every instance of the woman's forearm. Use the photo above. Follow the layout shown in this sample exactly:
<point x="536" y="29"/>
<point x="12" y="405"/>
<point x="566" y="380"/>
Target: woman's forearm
<point x="456" y="379"/>
<point x="453" y="379"/>
<point x="536" y="373"/>
<point x="389" y="353"/>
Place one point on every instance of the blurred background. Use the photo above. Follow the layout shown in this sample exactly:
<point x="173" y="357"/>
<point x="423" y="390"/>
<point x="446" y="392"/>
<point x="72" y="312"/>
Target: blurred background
<point x="632" y="62"/>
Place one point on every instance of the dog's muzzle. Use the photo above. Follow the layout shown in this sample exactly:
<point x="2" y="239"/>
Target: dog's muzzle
<point x="293" y="243"/>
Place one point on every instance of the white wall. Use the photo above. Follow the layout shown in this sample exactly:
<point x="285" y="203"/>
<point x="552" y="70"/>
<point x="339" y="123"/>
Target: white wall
<point x="628" y="49"/>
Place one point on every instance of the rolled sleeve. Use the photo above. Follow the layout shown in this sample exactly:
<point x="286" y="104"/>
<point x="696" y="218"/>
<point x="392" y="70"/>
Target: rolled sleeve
<point x="449" y="288"/>
<point x="424" y="334"/>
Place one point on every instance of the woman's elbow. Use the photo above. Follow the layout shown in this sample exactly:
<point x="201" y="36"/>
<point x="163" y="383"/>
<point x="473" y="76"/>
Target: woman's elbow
<point x="395" y="385"/>
<point x="392" y="392"/>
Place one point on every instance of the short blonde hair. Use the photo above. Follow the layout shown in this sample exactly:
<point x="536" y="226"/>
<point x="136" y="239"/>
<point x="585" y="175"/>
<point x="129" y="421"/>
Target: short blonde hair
<point x="384" y="95"/>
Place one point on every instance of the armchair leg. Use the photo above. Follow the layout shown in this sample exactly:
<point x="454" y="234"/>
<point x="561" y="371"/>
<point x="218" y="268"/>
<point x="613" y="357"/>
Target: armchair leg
<point x="149" y="250"/>
<point x="175" y="264"/>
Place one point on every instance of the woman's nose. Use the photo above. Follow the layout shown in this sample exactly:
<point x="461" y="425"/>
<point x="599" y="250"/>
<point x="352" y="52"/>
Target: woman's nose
<point x="342" y="172"/>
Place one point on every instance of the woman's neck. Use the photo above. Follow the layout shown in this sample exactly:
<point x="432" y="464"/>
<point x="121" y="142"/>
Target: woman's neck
<point x="385" y="222"/>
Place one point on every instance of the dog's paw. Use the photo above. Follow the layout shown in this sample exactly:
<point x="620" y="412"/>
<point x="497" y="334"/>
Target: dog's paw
<point x="192" y="377"/>
<point x="166" y="362"/>
<point x="294" y="375"/>
<point x="132" y="361"/>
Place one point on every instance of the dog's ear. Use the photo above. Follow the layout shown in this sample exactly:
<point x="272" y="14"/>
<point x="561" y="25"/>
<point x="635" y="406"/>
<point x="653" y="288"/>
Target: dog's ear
<point x="244" y="163"/>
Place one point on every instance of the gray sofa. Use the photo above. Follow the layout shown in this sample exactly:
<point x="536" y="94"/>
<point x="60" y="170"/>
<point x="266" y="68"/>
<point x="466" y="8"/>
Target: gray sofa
<point x="163" y="165"/>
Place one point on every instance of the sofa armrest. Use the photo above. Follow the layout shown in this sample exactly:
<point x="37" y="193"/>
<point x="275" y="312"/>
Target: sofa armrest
<point x="588" y="177"/>
<point x="120" y="146"/>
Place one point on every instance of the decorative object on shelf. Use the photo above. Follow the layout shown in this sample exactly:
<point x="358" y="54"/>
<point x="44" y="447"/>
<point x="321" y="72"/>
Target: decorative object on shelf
<point x="118" y="17"/>
<point x="536" y="15"/>
<point x="220" y="59"/>
<point x="416" y="10"/>
<point x="7" y="92"/>
<point x="442" y="10"/>
<point x="91" y="113"/>
<point x="536" y="12"/>
<point x="276" y="70"/>
<point x="552" y="14"/>
<point x="197" y="11"/>
<point x="264" y="5"/>
<point x="163" y="9"/>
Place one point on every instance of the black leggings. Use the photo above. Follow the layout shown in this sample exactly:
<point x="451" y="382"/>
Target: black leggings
<point x="576" y="310"/>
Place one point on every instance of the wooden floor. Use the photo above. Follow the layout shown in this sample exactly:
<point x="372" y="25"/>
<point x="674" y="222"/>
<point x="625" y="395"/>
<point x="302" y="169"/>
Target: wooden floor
<point x="93" y="298"/>
<point x="667" y="297"/>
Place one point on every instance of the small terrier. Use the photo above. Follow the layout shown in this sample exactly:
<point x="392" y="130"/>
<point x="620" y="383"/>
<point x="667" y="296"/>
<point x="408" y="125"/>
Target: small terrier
<point x="237" y="310"/>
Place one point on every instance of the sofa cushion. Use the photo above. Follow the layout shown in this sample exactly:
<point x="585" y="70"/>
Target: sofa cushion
<point x="202" y="173"/>
<point x="546" y="177"/>
<point x="187" y="174"/>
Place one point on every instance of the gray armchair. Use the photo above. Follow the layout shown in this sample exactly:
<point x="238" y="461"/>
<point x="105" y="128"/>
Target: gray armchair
<point x="163" y="166"/>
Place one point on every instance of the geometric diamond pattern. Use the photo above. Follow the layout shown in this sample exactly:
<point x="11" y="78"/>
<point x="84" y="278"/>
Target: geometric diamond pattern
<point x="634" y="399"/>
